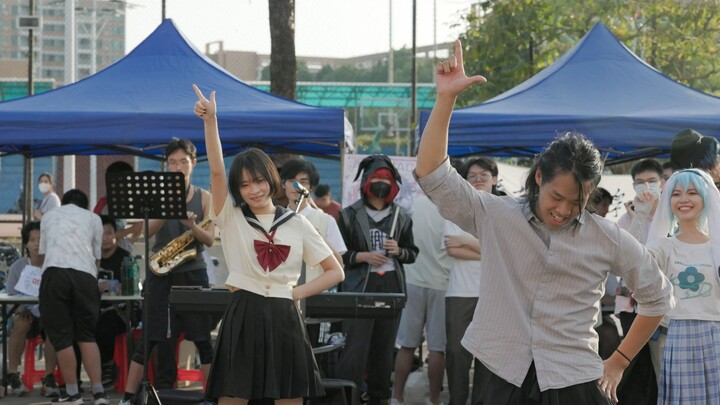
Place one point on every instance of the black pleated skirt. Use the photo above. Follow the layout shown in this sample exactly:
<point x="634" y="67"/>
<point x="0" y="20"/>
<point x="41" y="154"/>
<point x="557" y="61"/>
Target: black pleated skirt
<point x="263" y="352"/>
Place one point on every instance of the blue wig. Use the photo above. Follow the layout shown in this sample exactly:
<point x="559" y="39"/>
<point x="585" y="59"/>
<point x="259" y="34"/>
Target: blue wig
<point x="685" y="178"/>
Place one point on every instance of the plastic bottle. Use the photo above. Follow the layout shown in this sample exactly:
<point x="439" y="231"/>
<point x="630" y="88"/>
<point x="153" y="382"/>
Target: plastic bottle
<point x="134" y="278"/>
<point x="126" y="276"/>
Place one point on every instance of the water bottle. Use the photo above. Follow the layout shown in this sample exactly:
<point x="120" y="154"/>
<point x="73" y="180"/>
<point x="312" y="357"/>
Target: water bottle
<point x="126" y="276"/>
<point x="134" y="277"/>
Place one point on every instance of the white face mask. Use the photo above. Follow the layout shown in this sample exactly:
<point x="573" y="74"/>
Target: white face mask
<point x="44" y="187"/>
<point x="652" y="187"/>
<point x="655" y="189"/>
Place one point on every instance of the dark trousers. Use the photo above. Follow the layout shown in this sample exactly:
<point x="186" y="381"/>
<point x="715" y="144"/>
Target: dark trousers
<point x="458" y="315"/>
<point x="166" y="374"/>
<point x="639" y="383"/>
<point x="109" y="325"/>
<point x="369" y="350"/>
<point x="370" y="343"/>
<point x="489" y="389"/>
<point x="608" y="337"/>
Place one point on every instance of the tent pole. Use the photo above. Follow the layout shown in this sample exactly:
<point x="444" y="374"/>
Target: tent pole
<point x="27" y="203"/>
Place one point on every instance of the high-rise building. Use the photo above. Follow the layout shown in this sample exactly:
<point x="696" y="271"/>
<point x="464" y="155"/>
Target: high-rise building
<point x="99" y="36"/>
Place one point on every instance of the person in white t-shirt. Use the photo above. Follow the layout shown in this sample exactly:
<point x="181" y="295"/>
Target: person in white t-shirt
<point x="71" y="239"/>
<point x="304" y="173"/>
<point x="427" y="281"/>
<point x="690" y="213"/>
<point x="639" y="383"/>
<point x="462" y="293"/>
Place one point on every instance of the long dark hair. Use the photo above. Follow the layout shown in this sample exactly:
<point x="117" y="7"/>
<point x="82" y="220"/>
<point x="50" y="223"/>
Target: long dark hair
<point x="569" y="153"/>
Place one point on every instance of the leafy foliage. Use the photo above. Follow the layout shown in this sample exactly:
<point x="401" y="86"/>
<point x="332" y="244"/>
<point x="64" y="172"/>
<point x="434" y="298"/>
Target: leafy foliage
<point x="508" y="41"/>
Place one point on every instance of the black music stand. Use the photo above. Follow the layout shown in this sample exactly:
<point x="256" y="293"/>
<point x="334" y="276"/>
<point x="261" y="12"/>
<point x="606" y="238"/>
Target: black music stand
<point x="146" y="195"/>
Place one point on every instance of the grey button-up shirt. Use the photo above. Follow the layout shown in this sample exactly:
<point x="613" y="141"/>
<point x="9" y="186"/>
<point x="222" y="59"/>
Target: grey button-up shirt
<point x="540" y="290"/>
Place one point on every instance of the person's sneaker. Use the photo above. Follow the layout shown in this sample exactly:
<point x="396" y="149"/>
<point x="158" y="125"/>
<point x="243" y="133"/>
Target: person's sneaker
<point x="394" y="401"/>
<point x="49" y="387"/>
<point x="125" y="402"/>
<point x="100" y="398"/>
<point x="68" y="399"/>
<point x="15" y="386"/>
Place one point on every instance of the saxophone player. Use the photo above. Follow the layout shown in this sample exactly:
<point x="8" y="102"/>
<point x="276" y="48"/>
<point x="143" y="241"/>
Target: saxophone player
<point x="180" y="156"/>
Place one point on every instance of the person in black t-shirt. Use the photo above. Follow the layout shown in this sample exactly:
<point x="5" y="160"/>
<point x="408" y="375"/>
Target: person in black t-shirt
<point x="110" y="324"/>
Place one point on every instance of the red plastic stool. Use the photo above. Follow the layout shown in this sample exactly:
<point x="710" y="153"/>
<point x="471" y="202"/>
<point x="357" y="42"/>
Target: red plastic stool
<point x="121" y="359"/>
<point x="183" y="374"/>
<point x="30" y="374"/>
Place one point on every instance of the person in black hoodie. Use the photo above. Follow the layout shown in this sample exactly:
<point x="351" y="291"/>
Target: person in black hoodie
<point x="378" y="235"/>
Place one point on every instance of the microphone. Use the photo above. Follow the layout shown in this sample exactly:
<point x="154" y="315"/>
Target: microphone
<point x="300" y="189"/>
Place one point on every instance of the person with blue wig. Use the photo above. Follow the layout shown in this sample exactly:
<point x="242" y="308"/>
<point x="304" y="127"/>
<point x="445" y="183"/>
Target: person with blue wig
<point x="683" y="239"/>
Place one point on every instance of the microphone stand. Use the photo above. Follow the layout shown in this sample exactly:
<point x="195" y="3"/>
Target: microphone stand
<point x="303" y="193"/>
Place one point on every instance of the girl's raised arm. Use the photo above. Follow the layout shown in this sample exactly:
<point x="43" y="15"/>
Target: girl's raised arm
<point x="206" y="110"/>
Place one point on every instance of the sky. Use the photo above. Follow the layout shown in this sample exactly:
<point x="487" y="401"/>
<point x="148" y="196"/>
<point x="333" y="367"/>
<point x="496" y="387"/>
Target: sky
<point x="324" y="28"/>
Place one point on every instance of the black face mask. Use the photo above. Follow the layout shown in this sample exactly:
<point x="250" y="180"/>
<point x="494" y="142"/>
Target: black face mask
<point x="380" y="189"/>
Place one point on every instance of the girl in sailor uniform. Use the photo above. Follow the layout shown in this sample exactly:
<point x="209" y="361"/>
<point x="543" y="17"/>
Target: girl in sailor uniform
<point x="262" y="351"/>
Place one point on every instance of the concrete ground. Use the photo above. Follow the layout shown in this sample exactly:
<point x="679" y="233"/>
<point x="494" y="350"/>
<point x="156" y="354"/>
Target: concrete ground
<point x="34" y="398"/>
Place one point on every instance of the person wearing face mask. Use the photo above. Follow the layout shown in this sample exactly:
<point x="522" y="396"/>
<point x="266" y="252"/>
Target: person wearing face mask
<point x="639" y="384"/>
<point x="648" y="182"/>
<point x="50" y="198"/>
<point x="379" y="240"/>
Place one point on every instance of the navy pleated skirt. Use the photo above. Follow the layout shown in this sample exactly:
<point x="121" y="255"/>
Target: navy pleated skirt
<point x="263" y="352"/>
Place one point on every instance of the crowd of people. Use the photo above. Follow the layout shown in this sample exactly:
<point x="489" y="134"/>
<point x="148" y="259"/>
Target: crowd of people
<point x="530" y="300"/>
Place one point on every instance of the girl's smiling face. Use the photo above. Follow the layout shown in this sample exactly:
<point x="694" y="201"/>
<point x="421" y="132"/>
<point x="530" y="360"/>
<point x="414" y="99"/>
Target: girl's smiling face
<point x="255" y="191"/>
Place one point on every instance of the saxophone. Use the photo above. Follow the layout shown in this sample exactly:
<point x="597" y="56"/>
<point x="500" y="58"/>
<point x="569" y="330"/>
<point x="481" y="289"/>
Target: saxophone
<point x="174" y="254"/>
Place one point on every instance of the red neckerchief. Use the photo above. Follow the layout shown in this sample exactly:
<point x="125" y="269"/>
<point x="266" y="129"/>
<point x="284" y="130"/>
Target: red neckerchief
<point x="269" y="254"/>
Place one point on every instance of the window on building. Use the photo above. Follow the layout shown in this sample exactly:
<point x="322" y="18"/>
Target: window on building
<point x="20" y="10"/>
<point x="53" y="28"/>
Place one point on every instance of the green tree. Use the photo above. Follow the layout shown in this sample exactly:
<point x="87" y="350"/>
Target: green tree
<point x="511" y="40"/>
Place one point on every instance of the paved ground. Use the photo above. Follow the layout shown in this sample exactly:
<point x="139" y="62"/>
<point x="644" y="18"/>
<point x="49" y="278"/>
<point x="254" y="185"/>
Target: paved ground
<point x="34" y="398"/>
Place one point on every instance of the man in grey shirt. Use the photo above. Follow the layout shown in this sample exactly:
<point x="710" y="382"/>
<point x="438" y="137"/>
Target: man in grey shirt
<point x="545" y="261"/>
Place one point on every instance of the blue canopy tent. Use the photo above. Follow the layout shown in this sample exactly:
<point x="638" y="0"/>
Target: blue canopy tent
<point x="136" y="105"/>
<point x="600" y="88"/>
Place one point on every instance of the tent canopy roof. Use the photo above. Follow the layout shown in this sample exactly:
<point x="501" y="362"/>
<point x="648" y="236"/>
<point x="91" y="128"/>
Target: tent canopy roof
<point x="599" y="88"/>
<point x="137" y="104"/>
